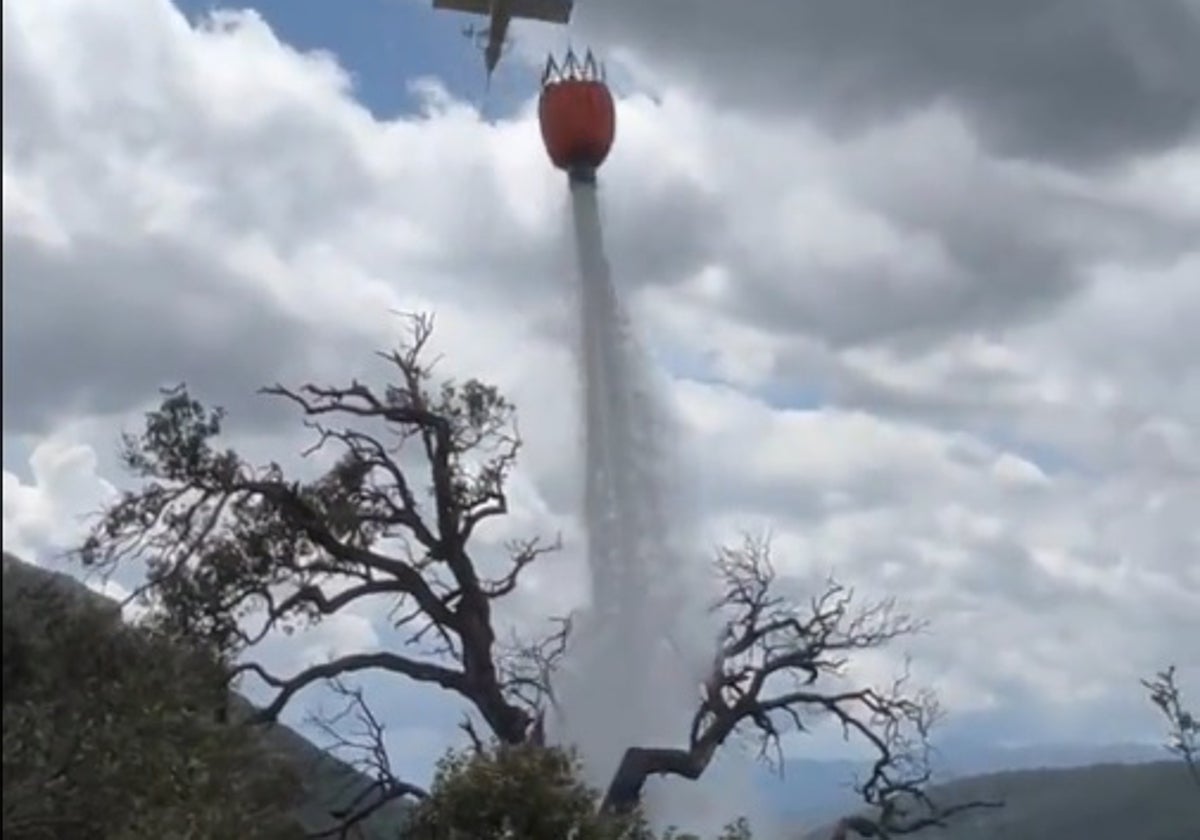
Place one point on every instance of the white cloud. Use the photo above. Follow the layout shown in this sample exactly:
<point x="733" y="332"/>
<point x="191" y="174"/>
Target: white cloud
<point x="49" y="515"/>
<point x="1012" y="448"/>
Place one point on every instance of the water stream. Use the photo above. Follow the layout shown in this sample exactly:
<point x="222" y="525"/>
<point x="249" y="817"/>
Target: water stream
<point x="634" y="665"/>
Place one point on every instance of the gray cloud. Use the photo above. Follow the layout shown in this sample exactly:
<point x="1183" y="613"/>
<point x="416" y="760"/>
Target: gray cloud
<point x="658" y="234"/>
<point x="909" y="237"/>
<point x="159" y="317"/>
<point x="964" y="311"/>
<point x="1080" y="82"/>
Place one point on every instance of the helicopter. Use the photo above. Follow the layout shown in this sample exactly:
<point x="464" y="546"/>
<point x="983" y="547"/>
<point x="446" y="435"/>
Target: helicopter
<point x="494" y="37"/>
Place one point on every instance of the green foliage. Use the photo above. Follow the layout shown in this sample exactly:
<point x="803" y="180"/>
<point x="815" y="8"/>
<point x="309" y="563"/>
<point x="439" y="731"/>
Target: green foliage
<point x="508" y="792"/>
<point x="525" y="793"/>
<point x="112" y="731"/>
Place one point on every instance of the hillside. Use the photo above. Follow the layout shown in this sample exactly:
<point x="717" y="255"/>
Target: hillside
<point x="326" y="782"/>
<point x="329" y="784"/>
<point x="818" y="790"/>
<point x="1150" y="801"/>
<point x="1155" y="801"/>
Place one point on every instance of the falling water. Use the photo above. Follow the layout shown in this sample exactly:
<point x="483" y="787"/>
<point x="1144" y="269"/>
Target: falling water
<point x="634" y="666"/>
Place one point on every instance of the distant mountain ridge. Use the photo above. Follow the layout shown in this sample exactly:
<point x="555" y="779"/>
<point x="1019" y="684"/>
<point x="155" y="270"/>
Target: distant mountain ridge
<point x="1155" y="801"/>
<point x="818" y="789"/>
<point x="328" y="782"/>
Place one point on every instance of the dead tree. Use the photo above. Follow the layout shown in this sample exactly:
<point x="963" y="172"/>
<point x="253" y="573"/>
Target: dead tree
<point x="1184" y="731"/>
<point x="769" y="675"/>
<point x="236" y="552"/>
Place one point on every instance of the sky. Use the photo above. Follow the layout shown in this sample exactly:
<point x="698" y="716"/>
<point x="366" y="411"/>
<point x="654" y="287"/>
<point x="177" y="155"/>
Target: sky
<point x="921" y="284"/>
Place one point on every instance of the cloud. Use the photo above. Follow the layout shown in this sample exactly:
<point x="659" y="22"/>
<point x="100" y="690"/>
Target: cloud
<point x="1075" y="81"/>
<point x="48" y="515"/>
<point x="946" y="373"/>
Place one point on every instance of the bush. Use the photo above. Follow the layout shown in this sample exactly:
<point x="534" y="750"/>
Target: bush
<point x="526" y="792"/>
<point x="116" y="732"/>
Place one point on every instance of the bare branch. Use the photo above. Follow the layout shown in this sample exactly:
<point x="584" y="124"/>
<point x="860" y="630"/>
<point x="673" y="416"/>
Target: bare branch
<point x="364" y="746"/>
<point x="349" y="664"/>
<point x="476" y="742"/>
<point x="527" y="668"/>
<point x="1184" y="729"/>
<point x="766" y="678"/>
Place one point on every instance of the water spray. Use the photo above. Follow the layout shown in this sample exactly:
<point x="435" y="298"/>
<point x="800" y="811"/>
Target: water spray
<point x="627" y="679"/>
